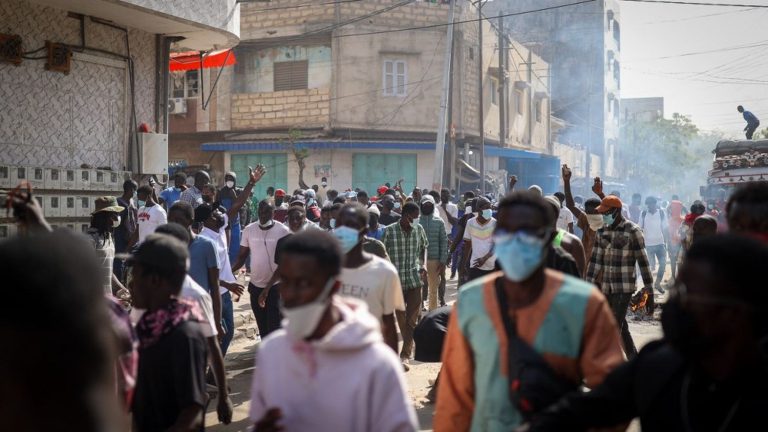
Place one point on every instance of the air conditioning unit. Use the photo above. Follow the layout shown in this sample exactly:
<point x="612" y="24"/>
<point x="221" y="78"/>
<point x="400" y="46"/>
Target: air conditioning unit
<point x="177" y="106"/>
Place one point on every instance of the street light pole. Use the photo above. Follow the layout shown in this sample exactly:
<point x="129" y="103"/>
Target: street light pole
<point x="481" y="107"/>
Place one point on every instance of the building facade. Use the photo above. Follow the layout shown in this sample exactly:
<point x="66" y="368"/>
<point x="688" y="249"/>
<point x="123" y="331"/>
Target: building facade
<point x="582" y="43"/>
<point x="77" y="78"/>
<point x="354" y="90"/>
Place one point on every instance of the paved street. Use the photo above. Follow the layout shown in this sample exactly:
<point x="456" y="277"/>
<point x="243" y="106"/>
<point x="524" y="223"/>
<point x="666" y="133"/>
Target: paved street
<point x="240" y="363"/>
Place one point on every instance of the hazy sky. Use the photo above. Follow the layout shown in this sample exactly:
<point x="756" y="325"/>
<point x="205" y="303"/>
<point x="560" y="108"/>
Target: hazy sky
<point x="662" y="55"/>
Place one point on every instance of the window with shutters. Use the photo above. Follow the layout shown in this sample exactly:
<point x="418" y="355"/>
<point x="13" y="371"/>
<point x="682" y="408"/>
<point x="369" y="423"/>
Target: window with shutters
<point x="395" y="77"/>
<point x="291" y="75"/>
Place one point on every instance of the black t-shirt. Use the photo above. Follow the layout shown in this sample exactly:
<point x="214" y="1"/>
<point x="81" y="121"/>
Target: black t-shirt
<point x="171" y="378"/>
<point x="388" y="219"/>
<point x="559" y="259"/>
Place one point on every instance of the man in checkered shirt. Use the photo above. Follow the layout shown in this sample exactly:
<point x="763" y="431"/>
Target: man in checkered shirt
<point x="619" y="245"/>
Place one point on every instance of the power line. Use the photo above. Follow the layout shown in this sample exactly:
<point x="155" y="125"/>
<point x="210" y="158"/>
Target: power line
<point x="699" y="3"/>
<point x="301" y="5"/>
<point x="360" y="18"/>
<point x="465" y="21"/>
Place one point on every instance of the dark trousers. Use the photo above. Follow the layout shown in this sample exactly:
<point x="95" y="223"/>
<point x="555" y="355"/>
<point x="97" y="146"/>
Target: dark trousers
<point x="408" y="319"/>
<point x="619" y="302"/>
<point x="751" y="130"/>
<point x="475" y="273"/>
<point x="268" y="317"/>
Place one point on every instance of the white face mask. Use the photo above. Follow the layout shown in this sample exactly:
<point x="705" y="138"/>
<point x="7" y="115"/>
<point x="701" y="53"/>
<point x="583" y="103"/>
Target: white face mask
<point x="595" y="221"/>
<point x="230" y="184"/>
<point x="303" y="320"/>
<point x="268" y="224"/>
<point x="116" y="222"/>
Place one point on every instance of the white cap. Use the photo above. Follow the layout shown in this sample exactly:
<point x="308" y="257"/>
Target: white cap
<point x="374" y="209"/>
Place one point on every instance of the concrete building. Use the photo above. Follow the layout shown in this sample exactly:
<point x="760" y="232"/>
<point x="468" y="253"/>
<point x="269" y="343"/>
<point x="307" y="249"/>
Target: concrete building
<point x="582" y="43"/>
<point x="360" y="89"/>
<point x="76" y="80"/>
<point x="648" y="110"/>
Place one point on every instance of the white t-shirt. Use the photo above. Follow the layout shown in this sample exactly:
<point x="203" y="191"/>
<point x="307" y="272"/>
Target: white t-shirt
<point x="225" y="268"/>
<point x="453" y="210"/>
<point x="193" y="291"/>
<point x="564" y="218"/>
<point x="652" y="228"/>
<point x="375" y="282"/>
<point x="262" y="243"/>
<point x="149" y="219"/>
<point x="482" y="241"/>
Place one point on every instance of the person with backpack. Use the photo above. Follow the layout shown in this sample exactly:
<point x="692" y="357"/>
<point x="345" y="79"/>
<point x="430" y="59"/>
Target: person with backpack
<point x="655" y="228"/>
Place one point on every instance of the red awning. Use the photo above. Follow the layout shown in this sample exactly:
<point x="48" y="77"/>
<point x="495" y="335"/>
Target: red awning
<point x="191" y="60"/>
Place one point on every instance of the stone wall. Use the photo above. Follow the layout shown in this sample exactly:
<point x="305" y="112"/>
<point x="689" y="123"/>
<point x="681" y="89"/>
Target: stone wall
<point x="300" y="108"/>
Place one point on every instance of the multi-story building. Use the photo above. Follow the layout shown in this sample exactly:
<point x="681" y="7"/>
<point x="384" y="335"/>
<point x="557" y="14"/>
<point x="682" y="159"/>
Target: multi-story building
<point x="637" y="114"/>
<point x="77" y="78"/>
<point x="354" y="90"/>
<point x="582" y="43"/>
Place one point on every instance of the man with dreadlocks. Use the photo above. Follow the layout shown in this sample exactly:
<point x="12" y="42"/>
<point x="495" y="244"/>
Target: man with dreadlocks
<point x="104" y="220"/>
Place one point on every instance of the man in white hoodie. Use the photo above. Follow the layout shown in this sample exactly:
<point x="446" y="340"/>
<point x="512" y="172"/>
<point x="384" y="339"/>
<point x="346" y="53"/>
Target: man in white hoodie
<point x="327" y="369"/>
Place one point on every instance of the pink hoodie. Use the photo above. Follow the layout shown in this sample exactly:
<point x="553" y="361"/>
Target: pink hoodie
<point x="349" y="381"/>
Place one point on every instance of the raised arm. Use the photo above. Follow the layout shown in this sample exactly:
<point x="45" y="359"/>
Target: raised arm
<point x="254" y="176"/>
<point x="597" y="188"/>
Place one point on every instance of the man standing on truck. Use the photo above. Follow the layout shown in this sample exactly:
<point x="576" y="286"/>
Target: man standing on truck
<point x="752" y="121"/>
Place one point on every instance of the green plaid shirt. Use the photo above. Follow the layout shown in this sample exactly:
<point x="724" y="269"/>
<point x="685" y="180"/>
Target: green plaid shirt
<point x="438" y="241"/>
<point x="406" y="252"/>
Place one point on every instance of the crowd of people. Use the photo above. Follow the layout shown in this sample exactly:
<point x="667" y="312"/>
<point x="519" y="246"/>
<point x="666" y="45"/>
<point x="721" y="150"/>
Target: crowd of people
<point x="142" y="307"/>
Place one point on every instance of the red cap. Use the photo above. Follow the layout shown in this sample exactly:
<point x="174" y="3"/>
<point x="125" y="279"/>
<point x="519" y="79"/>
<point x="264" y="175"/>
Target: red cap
<point x="609" y="202"/>
<point x="279" y="193"/>
<point x="382" y="189"/>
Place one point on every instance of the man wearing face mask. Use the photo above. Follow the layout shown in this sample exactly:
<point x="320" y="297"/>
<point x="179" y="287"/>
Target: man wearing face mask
<point x="588" y="220"/>
<point x="709" y="372"/>
<point x="328" y="369"/>
<point x="366" y="276"/>
<point x="227" y="197"/>
<point x="437" y="252"/>
<point x="194" y="195"/>
<point x="104" y="220"/>
<point x="388" y="216"/>
<point x="260" y="241"/>
<point x="519" y="320"/>
<point x="406" y="244"/>
<point x="619" y="247"/>
<point x="170" y="195"/>
<point x="478" y="259"/>
<point x="213" y="221"/>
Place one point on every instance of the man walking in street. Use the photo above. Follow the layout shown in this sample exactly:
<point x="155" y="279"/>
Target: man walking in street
<point x="655" y="228"/>
<point x="104" y="220"/>
<point x="588" y="219"/>
<point x="260" y="241"/>
<point x="564" y="216"/>
<point x="752" y="122"/>
<point x="151" y="215"/>
<point x="619" y="247"/>
<point x="194" y="195"/>
<point x="328" y="370"/>
<point x="388" y="215"/>
<point x="170" y="387"/>
<point x="675" y="215"/>
<point x="171" y="194"/>
<point x="478" y="259"/>
<point x="366" y="276"/>
<point x="525" y="310"/>
<point x="127" y="224"/>
<point x="437" y="252"/>
<point x="406" y="244"/>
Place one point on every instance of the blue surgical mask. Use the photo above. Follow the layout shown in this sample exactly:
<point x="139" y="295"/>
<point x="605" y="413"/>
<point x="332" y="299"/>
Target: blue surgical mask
<point x="332" y="223"/>
<point x="519" y="255"/>
<point x="487" y="214"/>
<point x="141" y="203"/>
<point x="609" y="219"/>
<point x="397" y="205"/>
<point x="415" y="223"/>
<point x="348" y="237"/>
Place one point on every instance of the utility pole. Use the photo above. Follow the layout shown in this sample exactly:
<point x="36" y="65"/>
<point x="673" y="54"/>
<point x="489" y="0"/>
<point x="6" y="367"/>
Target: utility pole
<point x="437" y="175"/>
<point x="481" y="107"/>
<point x="451" y="130"/>
<point x="502" y="85"/>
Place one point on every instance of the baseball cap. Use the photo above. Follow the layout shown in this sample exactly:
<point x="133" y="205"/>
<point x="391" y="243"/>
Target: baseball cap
<point x="609" y="202"/>
<point x="107" y="204"/>
<point x="279" y="193"/>
<point x="382" y="189"/>
<point x="374" y="209"/>
<point x="427" y="198"/>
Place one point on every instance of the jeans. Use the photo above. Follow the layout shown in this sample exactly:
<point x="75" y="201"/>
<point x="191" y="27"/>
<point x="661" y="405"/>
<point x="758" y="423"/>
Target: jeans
<point x="227" y="321"/>
<point x="408" y="319"/>
<point x="619" y="302"/>
<point x="674" y="252"/>
<point x="657" y="252"/>
<point x="268" y="317"/>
